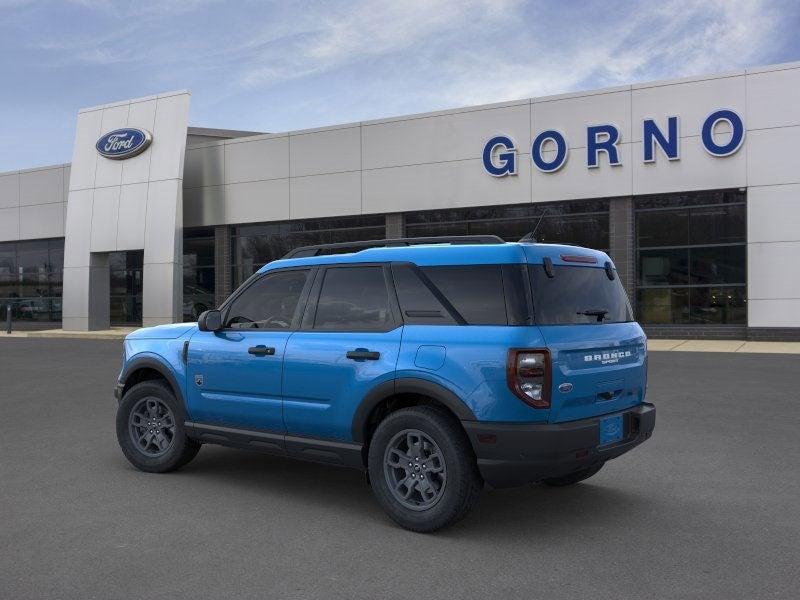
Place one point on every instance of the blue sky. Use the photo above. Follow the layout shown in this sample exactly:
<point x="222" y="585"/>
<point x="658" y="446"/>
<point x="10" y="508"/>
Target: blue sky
<point x="276" y="66"/>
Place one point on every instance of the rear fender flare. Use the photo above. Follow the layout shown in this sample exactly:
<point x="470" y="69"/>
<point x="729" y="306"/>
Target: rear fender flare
<point x="407" y="385"/>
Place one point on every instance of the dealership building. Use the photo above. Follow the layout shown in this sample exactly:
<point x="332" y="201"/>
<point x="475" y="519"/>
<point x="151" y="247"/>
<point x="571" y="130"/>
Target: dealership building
<point x="692" y="186"/>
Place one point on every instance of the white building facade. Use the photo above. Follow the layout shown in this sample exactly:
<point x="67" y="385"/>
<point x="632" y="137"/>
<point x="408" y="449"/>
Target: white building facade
<point x="692" y="186"/>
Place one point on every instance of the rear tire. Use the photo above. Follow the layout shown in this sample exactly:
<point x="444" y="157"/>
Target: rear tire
<point x="575" y="477"/>
<point x="422" y="469"/>
<point x="150" y="428"/>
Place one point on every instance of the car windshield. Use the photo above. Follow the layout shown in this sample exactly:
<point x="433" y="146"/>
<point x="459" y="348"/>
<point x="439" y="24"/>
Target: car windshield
<point x="578" y="295"/>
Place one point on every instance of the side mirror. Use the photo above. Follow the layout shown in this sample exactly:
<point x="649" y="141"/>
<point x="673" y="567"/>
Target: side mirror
<point x="210" y="320"/>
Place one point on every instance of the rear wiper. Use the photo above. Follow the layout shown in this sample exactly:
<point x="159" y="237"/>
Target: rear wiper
<point x="600" y="313"/>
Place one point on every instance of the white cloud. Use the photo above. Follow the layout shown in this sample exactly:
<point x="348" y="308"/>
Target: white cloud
<point x="324" y="39"/>
<point x="674" y="40"/>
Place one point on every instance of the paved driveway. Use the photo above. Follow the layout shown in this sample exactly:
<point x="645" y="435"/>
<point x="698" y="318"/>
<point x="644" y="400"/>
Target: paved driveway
<point x="709" y="508"/>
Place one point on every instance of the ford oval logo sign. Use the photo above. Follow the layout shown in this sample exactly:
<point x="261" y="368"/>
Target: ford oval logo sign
<point x="123" y="143"/>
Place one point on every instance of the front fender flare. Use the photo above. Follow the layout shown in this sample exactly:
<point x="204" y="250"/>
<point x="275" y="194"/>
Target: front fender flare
<point x="407" y="385"/>
<point x="151" y="362"/>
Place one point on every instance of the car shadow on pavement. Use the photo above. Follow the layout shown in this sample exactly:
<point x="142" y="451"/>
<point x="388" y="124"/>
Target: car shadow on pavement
<point x="522" y="511"/>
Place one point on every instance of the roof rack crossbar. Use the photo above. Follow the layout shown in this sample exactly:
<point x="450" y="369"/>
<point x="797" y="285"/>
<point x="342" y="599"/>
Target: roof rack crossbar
<point x="305" y="251"/>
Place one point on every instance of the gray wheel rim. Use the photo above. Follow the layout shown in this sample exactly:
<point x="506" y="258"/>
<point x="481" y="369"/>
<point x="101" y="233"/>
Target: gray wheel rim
<point x="415" y="470"/>
<point x="152" y="426"/>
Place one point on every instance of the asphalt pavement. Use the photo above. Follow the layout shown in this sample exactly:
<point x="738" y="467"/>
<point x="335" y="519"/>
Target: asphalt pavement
<point x="708" y="508"/>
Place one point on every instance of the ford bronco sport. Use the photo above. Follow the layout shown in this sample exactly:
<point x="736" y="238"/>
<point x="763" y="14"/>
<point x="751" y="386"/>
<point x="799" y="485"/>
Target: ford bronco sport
<point x="434" y="365"/>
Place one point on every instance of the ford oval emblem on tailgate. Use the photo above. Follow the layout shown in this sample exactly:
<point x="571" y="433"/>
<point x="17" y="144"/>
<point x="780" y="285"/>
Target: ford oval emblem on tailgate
<point x="565" y="388"/>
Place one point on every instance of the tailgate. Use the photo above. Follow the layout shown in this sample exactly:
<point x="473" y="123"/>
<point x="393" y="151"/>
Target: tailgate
<point x="597" y="369"/>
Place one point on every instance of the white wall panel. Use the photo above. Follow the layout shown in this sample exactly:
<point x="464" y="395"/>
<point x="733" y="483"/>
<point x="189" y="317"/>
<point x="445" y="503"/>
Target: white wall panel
<point x="41" y="221"/>
<point x="9" y="190"/>
<point x="76" y="288"/>
<point x="442" y="185"/>
<point x="132" y="213"/>
<point x="258" y="160"/>
<point x="84" y="156"/>
<point x="109" y="171"/>
<point x="773" y="156"/>
<point x="141" y="115"/>
<point x="105" y="214"/>
<point x="162" y="236"/>
<point x="773" y="214"/>
<point x="169" y="137"/>
<point x="328" y="151"/>
<point x="204" y="166"/>
<point x="43" y="186"/>
<point x="772" y="270"/>
<point x="773" y="313"/>
<point x="572" y="115"/>
<point x="79" y="216"/>
<point x="257" y="201"/>
<point x="443" y="138"/>
<point x="773" y="99"/>
<point x="692" y="101"/>
<point x="203" y="206"/>
<point x="575" y="180"/>
<point x="696" y="170"/>
<point x="159" y="304"/>
<point x="9" y="224"/>
<point x="325" y="195"/>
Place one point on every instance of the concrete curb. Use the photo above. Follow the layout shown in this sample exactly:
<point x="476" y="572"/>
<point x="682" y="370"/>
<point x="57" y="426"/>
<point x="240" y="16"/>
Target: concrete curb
<point x="116" y="333"/>
<point x="737" y="346"/>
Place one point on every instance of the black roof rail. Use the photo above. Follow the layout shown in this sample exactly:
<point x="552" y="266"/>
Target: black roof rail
<point x="305" y="251"/>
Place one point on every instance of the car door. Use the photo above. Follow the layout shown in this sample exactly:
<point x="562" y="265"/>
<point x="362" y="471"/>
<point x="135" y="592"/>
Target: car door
<point x="348" y="343"/>
<point x="234" y="375"/>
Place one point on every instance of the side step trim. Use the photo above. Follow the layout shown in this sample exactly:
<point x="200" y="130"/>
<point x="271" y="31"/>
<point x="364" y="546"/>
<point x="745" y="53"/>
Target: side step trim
<point x="347" y="454"/>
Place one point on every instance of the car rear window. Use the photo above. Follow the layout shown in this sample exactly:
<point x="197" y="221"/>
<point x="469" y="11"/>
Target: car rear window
<point x="577" y="295"/>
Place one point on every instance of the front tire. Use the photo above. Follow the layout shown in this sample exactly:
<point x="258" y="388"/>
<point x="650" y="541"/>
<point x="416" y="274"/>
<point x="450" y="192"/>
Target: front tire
<point x="150" y="428"/>
<point x="423" y="470"/>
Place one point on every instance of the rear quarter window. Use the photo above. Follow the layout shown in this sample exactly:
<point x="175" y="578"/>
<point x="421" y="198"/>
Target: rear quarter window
<point x="476" y="292"/>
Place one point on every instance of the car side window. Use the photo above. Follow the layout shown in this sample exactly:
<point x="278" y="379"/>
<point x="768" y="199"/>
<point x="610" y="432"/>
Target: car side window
<point x="353" y="299"/>
<point x="417" y="302"/>
<point x="476" y="291"/>
<point x="269" y="303"/>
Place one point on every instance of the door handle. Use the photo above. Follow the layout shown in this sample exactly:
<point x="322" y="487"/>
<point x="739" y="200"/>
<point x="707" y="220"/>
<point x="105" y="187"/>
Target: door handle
<point x="261" y="350"/>
<point x="363" y="354"/>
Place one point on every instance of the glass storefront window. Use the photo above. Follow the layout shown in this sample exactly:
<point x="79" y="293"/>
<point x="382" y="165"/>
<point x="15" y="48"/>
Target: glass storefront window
<point x="126" y="287"/>
<point x="692" y="258"/>
<point x="255" y="245"/>
<point x="583" y="223"/>
<point x="198" y="272"/>
<point x="30" y="280"/>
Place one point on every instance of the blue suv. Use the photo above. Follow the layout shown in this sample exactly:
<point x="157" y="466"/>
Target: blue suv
<point x="434" y="365"/>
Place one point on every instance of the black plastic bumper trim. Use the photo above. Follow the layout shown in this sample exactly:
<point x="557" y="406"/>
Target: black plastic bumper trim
<point x="514" y="454"/>
<point x="337" y="452"/>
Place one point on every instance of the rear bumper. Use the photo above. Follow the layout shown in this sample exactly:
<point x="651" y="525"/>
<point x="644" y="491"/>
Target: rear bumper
<point x="513" y="454"/>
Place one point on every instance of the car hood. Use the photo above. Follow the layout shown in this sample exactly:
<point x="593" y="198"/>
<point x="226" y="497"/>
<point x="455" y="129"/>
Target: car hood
<point x="162" y="332"/>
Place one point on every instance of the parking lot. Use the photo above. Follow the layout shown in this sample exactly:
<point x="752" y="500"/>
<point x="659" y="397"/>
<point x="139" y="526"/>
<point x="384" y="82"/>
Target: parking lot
<point x="709" y="508"/>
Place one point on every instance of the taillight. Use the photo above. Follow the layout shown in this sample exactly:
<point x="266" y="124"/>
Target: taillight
<point x="528" y="374"/>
